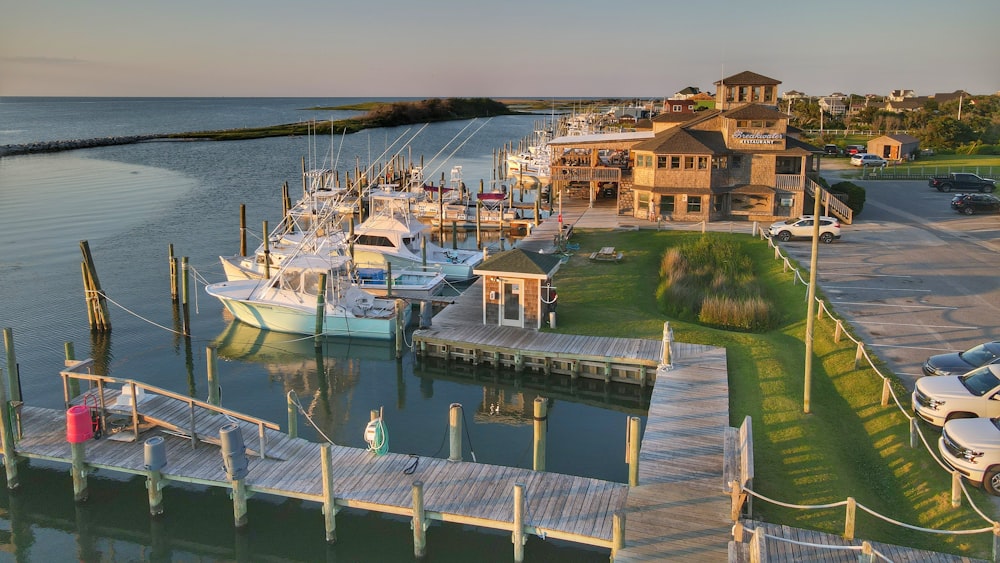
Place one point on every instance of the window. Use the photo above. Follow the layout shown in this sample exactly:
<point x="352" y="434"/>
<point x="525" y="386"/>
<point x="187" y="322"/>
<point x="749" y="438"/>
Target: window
<point x="769" y="94"/>
<point x="719" y="162"/>
<point x="666" y="204"/>
<point x="643" y="200"/>
<point x="649" y="161"/>
<point x="661" y="161"/>
<point x="675" y="163"/>
<point x="737" y="161"/>
<point x="694" y="204"/>
<point x="678" y="108"/>
<point x="702" y="163"/>
<point x="757" y="94"/>
<point x="688" y="163"/>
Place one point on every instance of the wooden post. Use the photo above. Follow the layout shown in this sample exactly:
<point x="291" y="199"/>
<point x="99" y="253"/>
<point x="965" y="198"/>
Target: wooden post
<point x="419" y="524"/>
<point x="849" y="519"/>
<point x="455" y="432"/>
<point x="173" y="272"/>
<point x="329" y="501"/>
<point x="454" y="235"/>
<point x="479" y="221"/>
<point x="956" y="489"/>
<point x="914" y="440"/>
<point x="668" y="337"/>
<point x="735" y="500"/>
<point x="7" y="438"/>
<point x="293" y="417"/>
<point x="423" y="251"/>
<point x="243" y="229"/>
<point x="541" y="424"/>
<point x="633" y="450"/>
<point x="996" y="541"/>
<point x="97" y="304"/>
<point x="617" y="533"/>
<point x="212" y="359"/>
<point x="79" y="472"/>
<point x="74" y="383"/>
<point x="518" y="537"/>
<point x="154" y="487"/>
<point x="320" y="311"/>
<point x="184" y="284"/>
<point x="239" y="502"/>
<point x="399" y="306"/>
<point x="13" y="376"/>
<point x="837" y="332"/>
<point x="859" y="354"/>
<point x="885" y="391"/>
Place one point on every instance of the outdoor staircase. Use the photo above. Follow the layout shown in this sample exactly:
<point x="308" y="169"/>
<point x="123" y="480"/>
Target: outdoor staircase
<point x="831" y="205"/>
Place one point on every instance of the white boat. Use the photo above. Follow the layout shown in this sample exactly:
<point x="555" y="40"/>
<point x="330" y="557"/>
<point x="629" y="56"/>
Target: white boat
<point x="289" y="302"/>
<point x="393" y="231"/>
<point x="533" y="164"/>
<point x="493" y="214"/>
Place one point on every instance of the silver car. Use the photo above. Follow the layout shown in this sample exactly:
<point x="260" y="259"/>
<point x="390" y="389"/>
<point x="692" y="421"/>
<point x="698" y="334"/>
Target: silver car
<point x="802" y="227"/>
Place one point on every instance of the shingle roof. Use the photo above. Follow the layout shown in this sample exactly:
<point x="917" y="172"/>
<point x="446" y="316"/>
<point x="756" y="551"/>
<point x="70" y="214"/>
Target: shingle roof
<point x="520" y="262"/>
<point x="677" y="141"/>
<point x="749" y="78"/>
<point x="755" y="111"/>
<point x="671" y="117"/>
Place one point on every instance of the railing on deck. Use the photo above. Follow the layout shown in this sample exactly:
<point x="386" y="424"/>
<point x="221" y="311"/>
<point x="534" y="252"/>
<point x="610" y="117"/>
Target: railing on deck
<point x="101" y="382"/>
<point x="586" y="173"/>
<point x="788" y="182"/>
<point x="834" y="205"/>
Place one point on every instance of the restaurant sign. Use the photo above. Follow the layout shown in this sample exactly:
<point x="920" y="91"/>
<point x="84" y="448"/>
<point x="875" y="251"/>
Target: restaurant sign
<point x="757" y="138"/>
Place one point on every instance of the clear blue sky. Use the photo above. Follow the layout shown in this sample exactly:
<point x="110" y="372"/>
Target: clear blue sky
<point x="330" y="48"/>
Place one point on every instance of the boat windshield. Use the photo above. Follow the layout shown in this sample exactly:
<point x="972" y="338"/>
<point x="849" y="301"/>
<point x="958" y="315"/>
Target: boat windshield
<point x="978" y="355"/>
<point x="980" y="381"/>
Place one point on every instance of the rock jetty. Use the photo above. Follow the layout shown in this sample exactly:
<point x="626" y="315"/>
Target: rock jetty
<point x="56" y="146"/>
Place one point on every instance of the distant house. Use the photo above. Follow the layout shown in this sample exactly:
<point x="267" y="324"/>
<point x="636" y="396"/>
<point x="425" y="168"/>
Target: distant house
<point x="793" y="95"/>
<point x="909" y="104"/>
<point x="894" y="147"/>
<point x="679" y="106"/>
<point x="686" y="94"/>
<point x="944" y="97"/>
<point x="900" y="95"/>
<point x="833" y="105"/>
<point x="703" y="100"/>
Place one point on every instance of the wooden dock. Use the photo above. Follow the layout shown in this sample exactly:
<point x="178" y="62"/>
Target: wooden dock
<point x="565" y="507"/>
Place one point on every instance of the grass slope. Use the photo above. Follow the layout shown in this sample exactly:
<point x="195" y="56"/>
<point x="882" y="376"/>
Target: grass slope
<point x="849" y="446"/>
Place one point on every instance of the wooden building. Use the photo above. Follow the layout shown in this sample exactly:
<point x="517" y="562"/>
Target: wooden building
<point x="894" y="147"/>
<point x="517" y="288"/>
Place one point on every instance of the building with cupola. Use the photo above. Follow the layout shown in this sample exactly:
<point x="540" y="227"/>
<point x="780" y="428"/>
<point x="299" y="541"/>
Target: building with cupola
<point x="734" y="163"/>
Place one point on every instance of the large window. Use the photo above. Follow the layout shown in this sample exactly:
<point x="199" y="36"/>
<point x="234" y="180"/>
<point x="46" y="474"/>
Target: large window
<point x="666" y="204"/>
<point x="688" y="163"/>
<point x="737" y="161"/>
<point x="702" y="163"/>
<point x="694" y="204"/>
<point x="675" y="163"/>
<point x="720" y="162"/>
<point x="661" y="161"/>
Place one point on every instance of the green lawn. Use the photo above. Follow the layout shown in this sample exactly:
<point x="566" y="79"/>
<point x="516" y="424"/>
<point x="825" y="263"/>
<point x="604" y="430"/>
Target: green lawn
<point x="848" y="446"/>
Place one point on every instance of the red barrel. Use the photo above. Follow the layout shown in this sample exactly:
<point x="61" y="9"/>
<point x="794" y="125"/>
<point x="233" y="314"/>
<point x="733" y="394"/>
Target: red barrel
<point x="79" y="427"/>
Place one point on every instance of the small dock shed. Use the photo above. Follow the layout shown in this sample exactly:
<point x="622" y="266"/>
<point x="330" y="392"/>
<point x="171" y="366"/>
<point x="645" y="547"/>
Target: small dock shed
<point x="517" y="288"/>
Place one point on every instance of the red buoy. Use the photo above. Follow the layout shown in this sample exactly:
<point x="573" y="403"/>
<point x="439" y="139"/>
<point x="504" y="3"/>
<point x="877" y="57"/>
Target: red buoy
<point x="79" y="427"/>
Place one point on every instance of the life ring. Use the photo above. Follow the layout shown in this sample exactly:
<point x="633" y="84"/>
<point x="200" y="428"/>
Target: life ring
<point x="565" y="172"/>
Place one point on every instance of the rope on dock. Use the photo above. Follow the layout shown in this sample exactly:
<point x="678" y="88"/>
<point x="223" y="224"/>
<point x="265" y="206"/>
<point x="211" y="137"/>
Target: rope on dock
<point x="294" y="398"/>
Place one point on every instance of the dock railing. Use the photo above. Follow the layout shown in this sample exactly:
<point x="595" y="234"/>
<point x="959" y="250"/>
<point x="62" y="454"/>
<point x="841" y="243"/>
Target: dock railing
<point x="73" y="374"/>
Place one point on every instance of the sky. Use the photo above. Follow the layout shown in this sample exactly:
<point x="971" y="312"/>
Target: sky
<point x="472" y="48"/>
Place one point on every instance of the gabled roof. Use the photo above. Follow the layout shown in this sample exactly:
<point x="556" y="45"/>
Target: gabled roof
<point x="689" y="91"/>
<point x="674" y="117"/>
<point x="901" y="138"/>
<point x="748" y="78"/>
<point x="754" y="111"/>
<point x="518" y="261"/>
<point x="681" y="141"/>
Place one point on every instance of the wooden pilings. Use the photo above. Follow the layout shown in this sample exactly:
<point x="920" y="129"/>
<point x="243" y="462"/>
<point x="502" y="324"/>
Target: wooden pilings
<point x="7" y="438"/>
<point x="455" y="432"/>
<point x="212" y="361"/>
<point x="329" y="501"/>
<point x="97" y="306"/>
<point x="634" y="439"/>
<point x="541" y="423"/>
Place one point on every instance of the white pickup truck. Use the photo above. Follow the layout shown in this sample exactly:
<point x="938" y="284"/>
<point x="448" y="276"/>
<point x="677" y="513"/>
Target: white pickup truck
<point x="938" y="399"/>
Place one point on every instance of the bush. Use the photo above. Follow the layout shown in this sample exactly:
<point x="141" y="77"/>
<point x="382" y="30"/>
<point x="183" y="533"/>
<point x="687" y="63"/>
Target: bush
<point x="855" y="195"/>
<point x="712" y="281"/>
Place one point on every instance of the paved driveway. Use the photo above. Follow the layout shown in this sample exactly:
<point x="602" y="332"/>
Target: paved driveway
<point x="913" y="277"/>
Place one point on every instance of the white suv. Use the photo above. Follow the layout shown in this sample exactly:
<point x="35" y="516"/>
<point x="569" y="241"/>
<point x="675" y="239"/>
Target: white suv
<point x="802" y="227"/>
<point x="971" y="446"/>
<point x="938" y="399"/>
<point x="868" y="159"/>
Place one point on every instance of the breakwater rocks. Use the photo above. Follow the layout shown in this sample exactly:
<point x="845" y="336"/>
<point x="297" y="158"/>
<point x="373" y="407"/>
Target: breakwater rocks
<point x="56" y="146"/>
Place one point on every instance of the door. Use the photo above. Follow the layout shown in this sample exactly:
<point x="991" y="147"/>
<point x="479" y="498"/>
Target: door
<point x="511" y="308"/>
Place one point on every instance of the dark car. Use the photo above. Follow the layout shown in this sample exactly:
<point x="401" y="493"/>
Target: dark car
<point x="831" y="150"/>
<point x="957" y="363"/>
<point x="975" y="203"/>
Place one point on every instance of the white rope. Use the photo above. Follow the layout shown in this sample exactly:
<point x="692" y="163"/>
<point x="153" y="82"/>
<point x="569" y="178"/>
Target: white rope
<point x="787" y="505"/>
<point x="294" y="398"/>
<point x="133" y="313"/>
<point x="918" y="528"/>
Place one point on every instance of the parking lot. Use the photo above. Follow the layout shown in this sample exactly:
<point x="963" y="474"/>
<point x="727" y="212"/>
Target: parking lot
<point x="912" y="276"/>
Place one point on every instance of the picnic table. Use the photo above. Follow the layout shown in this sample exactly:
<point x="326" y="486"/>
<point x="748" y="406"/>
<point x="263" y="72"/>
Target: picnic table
<point x="607" y="253"/>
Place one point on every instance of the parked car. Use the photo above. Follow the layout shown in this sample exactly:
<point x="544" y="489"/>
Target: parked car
<point x="831" y="150"/>
<point x="802" y="227"/>
<point x="972" y="447"/>
<point x="868" y="159"/>
<point x="957" y="363"/>
<point x="855" y="149"/>
<point x="963" y="182"/>
<point x="975" y="203"/>
<point x="975" y="394"/>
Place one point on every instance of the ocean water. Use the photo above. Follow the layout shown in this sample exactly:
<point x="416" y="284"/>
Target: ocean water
<point x="130" y="203"/>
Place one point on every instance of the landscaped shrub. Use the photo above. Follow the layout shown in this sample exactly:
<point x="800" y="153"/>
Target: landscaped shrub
<point x="855" y="195"/>
<point x="711" y="281"/>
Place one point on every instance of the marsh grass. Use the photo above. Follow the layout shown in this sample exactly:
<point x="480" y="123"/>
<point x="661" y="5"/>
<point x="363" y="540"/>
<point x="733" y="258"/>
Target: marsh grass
<point x="848" y="446"/>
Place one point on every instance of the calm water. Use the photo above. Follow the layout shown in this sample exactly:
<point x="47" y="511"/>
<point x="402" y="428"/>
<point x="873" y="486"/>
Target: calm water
<point x="130" y="203"/>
